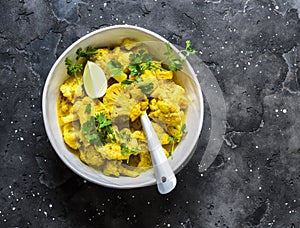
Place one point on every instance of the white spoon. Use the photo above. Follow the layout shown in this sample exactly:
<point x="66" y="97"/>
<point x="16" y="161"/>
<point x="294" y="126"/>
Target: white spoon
<point x="165" y="177"/>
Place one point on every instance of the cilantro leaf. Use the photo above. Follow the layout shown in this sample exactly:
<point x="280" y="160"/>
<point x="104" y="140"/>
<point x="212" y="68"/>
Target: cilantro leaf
<point x="90" y="51"/>
<point x="175" y="64"/>
<point x="139" y="62"/>
<point x="72" y="70"/>
<point x="127" y="82"/>
<point x="172" y="140"/>
<point x="116" y="68"/>
<point x="88" y="126"/>
<point x="135" y="150"/>
<point x="188" y="48"/>
<point x="146" y="87"/>
<point x="88" y="108"/>
<point x="124" y="149"/>
<point x="184" y="129"/>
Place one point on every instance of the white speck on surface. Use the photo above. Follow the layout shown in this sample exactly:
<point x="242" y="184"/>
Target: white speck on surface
<point x="284" y="110"/>
<point x="259" y="188"/>
<point x="256" y="147"/>
<point x="104" y="4"/>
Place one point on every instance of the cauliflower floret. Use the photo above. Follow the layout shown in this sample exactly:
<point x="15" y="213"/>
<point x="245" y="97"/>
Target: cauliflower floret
<point x="71" y="88"/>
<point x="154" y="72"/>
<point x="162" y="135"/>
<point x="129" y="44"/>
<point x="112" y="151"/>
<point x="139" y="135"/>
<point x="164" y="74"/>
<point x="169" y="90"/>
<point x="175" y="131"/>
<point x="115" y="168"/>
<point x="80" y="109"/>
<point x="138" y="109"/>
<point x="166" y="112"/>
<point x="112" y="94"/>
<point x="145" y="160"/>
<point x="100" y="107"/>
<point x="147" y="74"/>
<point x="125" y="103"/>
<point x="70" y="136"/>
<point x="69" y="118"/>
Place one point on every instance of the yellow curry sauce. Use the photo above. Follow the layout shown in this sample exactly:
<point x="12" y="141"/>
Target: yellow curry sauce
<point x="106" y="133"/>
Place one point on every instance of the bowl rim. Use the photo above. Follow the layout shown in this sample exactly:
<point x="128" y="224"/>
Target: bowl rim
<point x="45" y="114"/>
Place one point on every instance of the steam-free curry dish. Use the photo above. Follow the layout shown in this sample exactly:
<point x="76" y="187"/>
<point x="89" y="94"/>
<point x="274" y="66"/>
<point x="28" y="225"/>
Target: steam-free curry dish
<point x="106" y="133"/>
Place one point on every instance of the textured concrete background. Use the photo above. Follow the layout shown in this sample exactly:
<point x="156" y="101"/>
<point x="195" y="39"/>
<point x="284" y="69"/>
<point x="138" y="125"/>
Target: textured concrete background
<point x="252" y="48"/>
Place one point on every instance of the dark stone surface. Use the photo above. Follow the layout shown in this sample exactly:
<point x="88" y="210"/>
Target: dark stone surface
<point x="253" y="50"/>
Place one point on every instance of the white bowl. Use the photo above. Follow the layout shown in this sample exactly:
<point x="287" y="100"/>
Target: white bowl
<point x="111" y="36"/>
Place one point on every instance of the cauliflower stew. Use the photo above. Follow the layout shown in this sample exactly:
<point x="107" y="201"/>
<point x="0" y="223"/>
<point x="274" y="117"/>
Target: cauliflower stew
<point x="106" y="133"/>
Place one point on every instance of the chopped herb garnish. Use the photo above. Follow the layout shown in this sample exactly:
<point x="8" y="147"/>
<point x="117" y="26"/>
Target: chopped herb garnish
<point x="184" y="129"/>
<point x="146" y="87"/>
<point x="175" y="64"/>
<point x="139" y="62"/>
<point x="141" y="57"/>
<point x="127" y="82"/>
<point x="135" y="150"/>
<point x="88" y="108"/>
<point x="88" y="126"/>
<point x="72" y="70"/>
<point x="125" y="150"/>
<point x="116" y="68"/>
<point x="90" y="51"/>
<point x="98" y="130"/>
<point x="173" y="140"/>
<point x="90" y="133"/>
<point x="102" y="121"/>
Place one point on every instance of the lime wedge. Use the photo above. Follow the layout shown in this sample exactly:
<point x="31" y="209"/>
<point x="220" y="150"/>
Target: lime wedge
<point x="94" y="80"/>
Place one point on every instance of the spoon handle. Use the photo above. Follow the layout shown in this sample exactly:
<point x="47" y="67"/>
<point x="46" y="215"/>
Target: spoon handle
<point x="165" y="177"/>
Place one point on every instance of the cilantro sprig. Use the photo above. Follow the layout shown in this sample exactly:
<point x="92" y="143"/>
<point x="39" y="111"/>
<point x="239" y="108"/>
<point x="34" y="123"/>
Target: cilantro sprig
<point x="139" y="62"/>
<point x="73" y="69"/>
<point x="88" y="53"/>
<point x="172" y="140"/>
<point x="175" y="64"/>
<point x="125" y="150"/>
<point x="98" y="130"/>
